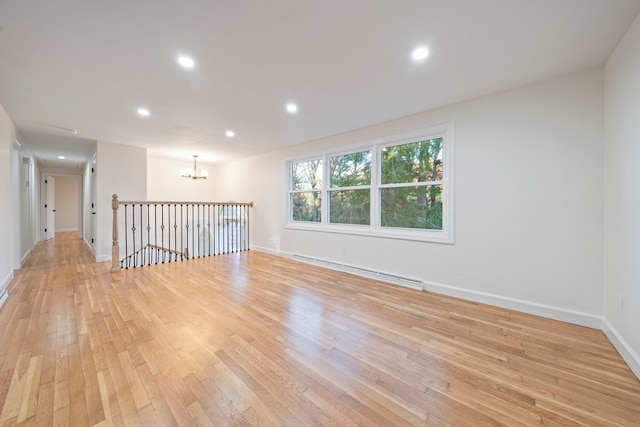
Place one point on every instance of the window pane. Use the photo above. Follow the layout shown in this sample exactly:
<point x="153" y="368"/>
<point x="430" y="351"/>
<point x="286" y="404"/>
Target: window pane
<point x="306" y="175"/>
<point x="415" y="162"/>
<point x="350" y="207"/>
<point x="412" y="207"/>
<point x="352" y="169"/>
<point x="306" y="206"/>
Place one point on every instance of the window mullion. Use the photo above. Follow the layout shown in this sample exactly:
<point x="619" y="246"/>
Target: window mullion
<point x="412" y="184"/>
<point x="324" y="201"/>
<point x="375" y="184"/>
<point x="353" y="187"/>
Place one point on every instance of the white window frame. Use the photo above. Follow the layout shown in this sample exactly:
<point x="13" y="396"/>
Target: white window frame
<point x="329" y="189"/>
<point x="446" y="235"/>
<point x="291" y="191"/>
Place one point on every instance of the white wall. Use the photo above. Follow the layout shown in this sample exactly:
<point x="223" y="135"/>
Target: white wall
<point x="28" y="185"/>
<point x="7" y="135"/>
<point x="528" y="185"/>
<point x="121" y="170"/>
<point x="67" y="202"/>
<point x="24" y="202"/>
<point x="164" y="182"/>
<point x="15" y="205"/>
<point x="622" y="197"/>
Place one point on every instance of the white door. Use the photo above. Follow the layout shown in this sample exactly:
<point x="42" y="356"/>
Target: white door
<point x="50" y="226"/>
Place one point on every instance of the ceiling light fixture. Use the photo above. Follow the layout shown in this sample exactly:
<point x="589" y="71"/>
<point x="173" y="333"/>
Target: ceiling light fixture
<point x="192" y="173"/>
<point x="292" y="108"/>
<point x="420" y="53"/>
<point x="61" y="157"/>
<point x="144" y="112"/>
<point x="230" y="134"/>
<point x="186" y="61"/>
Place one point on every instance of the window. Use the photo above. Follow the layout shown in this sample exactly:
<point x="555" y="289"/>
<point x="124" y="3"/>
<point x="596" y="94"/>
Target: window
<point x="350" y="188"/>
<point x="411" y="185"/>
<point x="306" y="195"/>
<point x="399" y="187"/>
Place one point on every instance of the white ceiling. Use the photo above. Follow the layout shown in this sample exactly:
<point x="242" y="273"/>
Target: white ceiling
<point x="88" y="65"/>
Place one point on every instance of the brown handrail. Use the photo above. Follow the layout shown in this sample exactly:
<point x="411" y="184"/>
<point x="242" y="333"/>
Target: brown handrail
<point x="199" y="230"/>
<point x="128" y="202"/>
<point x="166" y="249"/>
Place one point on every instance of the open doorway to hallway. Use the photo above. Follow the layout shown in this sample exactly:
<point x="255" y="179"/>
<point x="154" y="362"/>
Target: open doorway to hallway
<point x="62" y="204"/>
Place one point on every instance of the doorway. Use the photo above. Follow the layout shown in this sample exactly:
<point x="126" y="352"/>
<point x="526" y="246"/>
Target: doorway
<point x="62" y="204"/>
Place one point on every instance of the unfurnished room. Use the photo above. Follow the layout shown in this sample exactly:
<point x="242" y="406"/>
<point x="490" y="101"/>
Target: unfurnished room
<point x="320" y="213"/>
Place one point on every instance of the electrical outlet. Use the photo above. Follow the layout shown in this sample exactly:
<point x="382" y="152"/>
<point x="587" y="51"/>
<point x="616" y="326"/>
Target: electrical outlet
<point x="343" y="250"/>
<point x="620" y="303"/>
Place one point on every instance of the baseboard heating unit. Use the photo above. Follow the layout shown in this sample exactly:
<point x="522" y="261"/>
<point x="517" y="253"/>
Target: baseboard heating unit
<point x="360" y="271"/>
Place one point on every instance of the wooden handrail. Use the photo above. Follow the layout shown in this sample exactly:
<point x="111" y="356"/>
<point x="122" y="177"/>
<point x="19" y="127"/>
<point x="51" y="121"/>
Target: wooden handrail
<point x="149" y="245"/>
<point x="122" y="202"/>
<point x="241" y="216"/>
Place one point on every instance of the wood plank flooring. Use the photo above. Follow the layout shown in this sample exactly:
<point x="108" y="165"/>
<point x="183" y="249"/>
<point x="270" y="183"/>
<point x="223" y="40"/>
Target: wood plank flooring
<point x="251" y="339"/>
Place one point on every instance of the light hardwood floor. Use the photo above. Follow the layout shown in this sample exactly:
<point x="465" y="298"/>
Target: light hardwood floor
<point x="253" y="339"/>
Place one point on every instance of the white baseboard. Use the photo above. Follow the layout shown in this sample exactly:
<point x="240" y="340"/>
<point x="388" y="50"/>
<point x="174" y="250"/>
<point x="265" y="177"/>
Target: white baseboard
<point x="5" y="282"/>
<point x="24" y="258"/>
<point x="408" y="282"/>
<point x="347" y="268"/>
<point x="270" y="251"/>
<point x="626" y="351"/>
<point x="99" y="258"/>
<point x="103" y="258"/>
<point x="543" y="310"/>
<point x="88" y="245"/>
<point x="3" y="297"/>
<point x="64" y="230"/>
<point x="556" y="313"/>
<point x="551" y="312"/>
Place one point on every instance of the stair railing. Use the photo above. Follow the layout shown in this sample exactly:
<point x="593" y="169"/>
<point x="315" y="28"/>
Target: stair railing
<point x="159" y="232"/>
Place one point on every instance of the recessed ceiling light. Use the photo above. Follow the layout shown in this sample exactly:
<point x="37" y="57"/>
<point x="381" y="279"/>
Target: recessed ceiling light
<point x="61" y="157"/>
<point x="420" y="53"/>
<point x="144" y="112"/>
<point x="186" y="61"/>
<point x="230" y="134"/>
<point x="291" y="108"/>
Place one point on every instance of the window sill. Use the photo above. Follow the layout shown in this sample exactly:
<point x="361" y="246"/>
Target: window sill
<point x="433" y="236"/>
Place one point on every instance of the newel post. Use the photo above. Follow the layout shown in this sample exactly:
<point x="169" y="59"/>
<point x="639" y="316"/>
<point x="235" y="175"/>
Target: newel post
<point x="115" y="246"/>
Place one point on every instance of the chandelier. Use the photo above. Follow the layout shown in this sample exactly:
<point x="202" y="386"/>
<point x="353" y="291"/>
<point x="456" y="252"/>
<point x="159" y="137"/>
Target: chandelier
<point x="192" y="172"/>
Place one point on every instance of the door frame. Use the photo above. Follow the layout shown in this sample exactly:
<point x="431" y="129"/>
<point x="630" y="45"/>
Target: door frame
<point x="43" y="197"/>
<point x="49" y="207"/>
